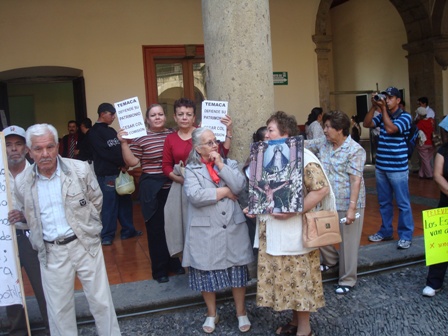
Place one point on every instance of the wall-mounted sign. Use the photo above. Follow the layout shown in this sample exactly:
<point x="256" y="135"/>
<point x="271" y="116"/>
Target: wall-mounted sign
<point x="281" y="78"/>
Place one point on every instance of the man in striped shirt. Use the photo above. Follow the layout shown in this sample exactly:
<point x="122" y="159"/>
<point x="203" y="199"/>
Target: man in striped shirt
<point x="392" y="172"/>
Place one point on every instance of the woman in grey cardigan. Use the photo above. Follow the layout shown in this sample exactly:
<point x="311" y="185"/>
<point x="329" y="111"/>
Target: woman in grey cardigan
<point x="217" y="245"/>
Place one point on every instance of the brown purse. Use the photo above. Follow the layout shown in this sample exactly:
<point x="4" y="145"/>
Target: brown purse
<point x="321" y="228"/>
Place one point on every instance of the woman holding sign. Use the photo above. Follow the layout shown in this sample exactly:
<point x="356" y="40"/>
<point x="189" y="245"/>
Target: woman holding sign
<point x="178" y="145"/>
<point x="154" y="189"/>
<point x="436" y="273"/>
<point x="288" y="273"/>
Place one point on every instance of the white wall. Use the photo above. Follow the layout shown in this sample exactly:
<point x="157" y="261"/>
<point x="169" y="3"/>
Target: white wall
<point x="367" y="49"/>
<point x="292" y="27"/>
<point x="104" y="38"/>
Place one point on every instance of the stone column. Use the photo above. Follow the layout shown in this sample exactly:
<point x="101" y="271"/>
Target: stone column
<point x="238" y="58"/>
<point x="425" y="76"/>
<point x="323" y="51"/>
<point x="425" y="79"/>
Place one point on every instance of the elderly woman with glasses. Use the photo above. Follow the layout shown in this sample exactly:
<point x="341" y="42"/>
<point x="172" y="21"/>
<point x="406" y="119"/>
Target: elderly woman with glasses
<point x="217" y="246"/>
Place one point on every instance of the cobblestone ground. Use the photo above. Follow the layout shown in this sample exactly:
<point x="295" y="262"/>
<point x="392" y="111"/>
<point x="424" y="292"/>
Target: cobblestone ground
<point x="382" y="304"/>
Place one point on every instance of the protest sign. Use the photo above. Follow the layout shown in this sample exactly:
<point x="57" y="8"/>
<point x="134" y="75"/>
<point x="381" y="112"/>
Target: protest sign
<point x="275" y="176"/>
<point x="10" y="277"/>
<point x="130" y="118"/>
<point x="435" y="231"/>
<point x="212" y="112"/>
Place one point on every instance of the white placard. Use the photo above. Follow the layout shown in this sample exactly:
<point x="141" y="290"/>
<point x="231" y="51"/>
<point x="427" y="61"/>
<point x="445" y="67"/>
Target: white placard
<point x="130" y="118"/>
<point x="10" y="288"/>
<point x="212" y="112"/>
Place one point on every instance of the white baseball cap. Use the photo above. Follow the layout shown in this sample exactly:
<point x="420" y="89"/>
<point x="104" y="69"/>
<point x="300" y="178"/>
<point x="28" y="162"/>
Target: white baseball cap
<point x="14" y="130"/>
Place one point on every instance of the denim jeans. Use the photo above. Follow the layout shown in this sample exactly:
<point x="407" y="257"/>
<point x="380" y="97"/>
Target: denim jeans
<point x="115" y="207"/>
<point x="389" y="184"/>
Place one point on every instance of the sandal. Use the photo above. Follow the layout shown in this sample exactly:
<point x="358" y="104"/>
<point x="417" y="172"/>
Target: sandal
<point x="310" y="334"/>
<point x="243" y="323"/>
<point x="325" y="268"/>
<point x="341" y="289"/>
<point x="287" y="329"/>
<point x="209" y="324"/>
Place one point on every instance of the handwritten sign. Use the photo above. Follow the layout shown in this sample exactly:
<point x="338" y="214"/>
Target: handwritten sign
<point x="10" y="288"/>
<point x="130" y="118"/>
<point x="212" y="112"/>
<point x="435" y="230"/>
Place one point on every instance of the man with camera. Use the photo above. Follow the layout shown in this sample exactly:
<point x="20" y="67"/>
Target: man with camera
<point x="392" y="172"/>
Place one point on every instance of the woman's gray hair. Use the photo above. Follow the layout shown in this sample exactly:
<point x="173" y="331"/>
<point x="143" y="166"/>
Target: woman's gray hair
<point x="40" y="130"/>
<point x="194" y="157"/>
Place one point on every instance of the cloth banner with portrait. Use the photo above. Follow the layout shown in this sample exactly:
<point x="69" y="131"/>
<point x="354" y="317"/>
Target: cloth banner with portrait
<point x="276" y="176"/>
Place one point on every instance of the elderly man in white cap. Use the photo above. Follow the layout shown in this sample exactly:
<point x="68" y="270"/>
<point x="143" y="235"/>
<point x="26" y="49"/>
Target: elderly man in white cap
<point x="16" y="151"/>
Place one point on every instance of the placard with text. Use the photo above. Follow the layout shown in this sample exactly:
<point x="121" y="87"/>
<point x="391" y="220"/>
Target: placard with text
<point x="10" y="288"/>
<point x="212" y="113"/>
<point x="130" y="118"/>
<point x="435" y="231"/>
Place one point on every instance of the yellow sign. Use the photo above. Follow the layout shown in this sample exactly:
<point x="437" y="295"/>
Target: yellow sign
<point x="435" y="229"/>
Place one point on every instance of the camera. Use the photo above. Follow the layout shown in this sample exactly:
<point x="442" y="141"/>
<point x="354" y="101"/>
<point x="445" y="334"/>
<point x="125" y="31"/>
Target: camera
<point x="379" y="96"/>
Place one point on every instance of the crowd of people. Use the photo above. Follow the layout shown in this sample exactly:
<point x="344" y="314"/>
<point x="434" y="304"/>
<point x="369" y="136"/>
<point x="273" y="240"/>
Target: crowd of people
<point x="195" y="203"/>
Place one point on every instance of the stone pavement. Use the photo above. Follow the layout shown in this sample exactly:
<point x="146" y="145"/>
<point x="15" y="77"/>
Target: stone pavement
<point x="141" y="296"/>
<point x="382" y="304"/>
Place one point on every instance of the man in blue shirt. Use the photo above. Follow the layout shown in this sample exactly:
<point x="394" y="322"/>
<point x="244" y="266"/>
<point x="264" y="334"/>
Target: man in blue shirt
<point x="392" y="172"/>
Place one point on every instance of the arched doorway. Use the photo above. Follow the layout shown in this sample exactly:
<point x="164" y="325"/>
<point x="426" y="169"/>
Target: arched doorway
<point x="44" y="94"/>
<point x="426" y="45"/>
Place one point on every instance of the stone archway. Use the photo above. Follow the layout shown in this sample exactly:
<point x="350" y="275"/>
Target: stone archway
<point x="427" y="49"/>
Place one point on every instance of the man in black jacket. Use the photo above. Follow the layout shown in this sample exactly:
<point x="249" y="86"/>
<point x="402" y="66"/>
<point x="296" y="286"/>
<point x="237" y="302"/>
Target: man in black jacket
<point x="108" y="161"/>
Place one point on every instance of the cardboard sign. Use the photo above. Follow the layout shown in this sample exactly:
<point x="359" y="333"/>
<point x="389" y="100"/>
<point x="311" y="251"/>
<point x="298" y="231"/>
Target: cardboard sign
<point x="435" y="231"/>
<point x="130" y="118"/>
<point x="212" y="112"/>
<point x="10" y="277"/>
<point x="275" y="176"/>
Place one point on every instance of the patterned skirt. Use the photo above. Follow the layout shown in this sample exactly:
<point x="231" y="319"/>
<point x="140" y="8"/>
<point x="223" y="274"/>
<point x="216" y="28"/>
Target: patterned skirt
<point x="212" y="281"/>
<point x="288" y="282"/>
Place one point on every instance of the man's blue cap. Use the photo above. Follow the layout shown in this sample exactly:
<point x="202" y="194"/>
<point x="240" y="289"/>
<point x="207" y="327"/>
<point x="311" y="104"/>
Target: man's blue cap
<point x="392" y="91"/>
<point x="106" y="107"/>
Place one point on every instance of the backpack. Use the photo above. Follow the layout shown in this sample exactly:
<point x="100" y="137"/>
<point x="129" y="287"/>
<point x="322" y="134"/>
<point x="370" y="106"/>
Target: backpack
<point x="411" y="137"/>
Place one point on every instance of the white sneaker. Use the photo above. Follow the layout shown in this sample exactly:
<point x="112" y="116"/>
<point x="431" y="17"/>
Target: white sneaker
<point x="428" y="291"/>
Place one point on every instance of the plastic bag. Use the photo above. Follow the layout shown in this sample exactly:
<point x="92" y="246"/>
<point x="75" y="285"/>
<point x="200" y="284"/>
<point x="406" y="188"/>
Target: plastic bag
<point x="124" y="184"/>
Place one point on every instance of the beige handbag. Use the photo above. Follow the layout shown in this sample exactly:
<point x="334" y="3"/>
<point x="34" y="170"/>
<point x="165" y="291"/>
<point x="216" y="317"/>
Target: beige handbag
<point x="321" y="228"/>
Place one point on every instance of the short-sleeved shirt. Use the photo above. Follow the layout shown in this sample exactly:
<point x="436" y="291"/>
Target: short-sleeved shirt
<point x="314" y="131"/>
<point x="339" y="164"/>
<point x="149" y="150"/>
<point x="392" y="152"/>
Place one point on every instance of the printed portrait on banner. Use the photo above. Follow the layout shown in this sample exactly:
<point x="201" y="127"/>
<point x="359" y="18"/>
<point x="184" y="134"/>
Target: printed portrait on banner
<point x="275" y="176"/>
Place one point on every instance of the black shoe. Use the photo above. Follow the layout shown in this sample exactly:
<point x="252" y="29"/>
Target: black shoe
<point x="162" y="279"/>
<point x="135" y="234"/>
<point x="106" y="242"/>
<point x="180" y="271"/>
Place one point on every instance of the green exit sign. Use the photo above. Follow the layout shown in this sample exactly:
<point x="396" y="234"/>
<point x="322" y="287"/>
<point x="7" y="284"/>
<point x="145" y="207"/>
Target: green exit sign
<point x="281" y="78"/>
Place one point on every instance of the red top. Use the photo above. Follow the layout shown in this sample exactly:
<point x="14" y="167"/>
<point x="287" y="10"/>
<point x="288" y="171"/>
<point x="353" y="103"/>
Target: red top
<point x="175" y="150"/>
<point x="426" y="125"/>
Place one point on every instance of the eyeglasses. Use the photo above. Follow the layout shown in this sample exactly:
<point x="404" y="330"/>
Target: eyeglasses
<point x="211" y="143"/>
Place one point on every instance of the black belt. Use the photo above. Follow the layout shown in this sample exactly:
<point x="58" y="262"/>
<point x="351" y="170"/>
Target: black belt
<point x="62" y="241"/>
